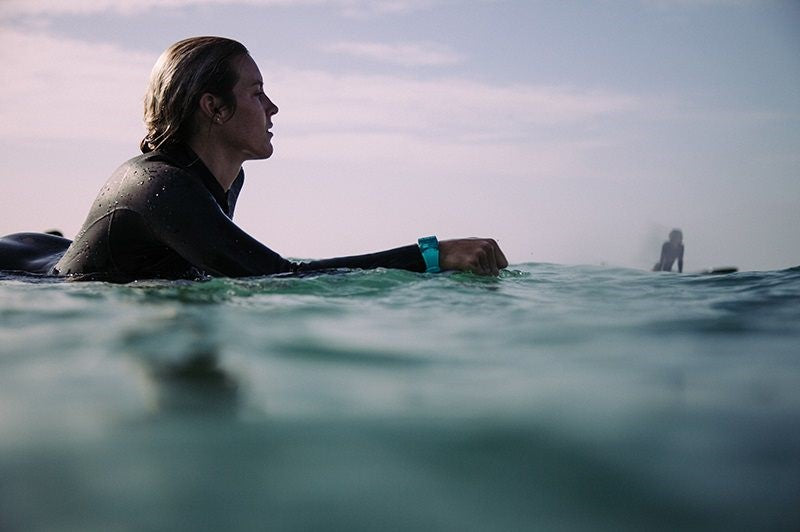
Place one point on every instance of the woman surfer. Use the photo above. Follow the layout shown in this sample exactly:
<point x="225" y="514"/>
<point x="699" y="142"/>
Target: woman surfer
<point x="168" y="212"/>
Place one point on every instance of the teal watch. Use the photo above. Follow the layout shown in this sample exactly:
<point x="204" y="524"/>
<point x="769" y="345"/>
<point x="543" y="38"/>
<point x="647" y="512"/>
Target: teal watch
<point x="429" y="247"/>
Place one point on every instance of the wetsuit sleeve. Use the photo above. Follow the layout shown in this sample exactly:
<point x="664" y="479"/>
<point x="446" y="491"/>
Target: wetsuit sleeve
<point x="680" y="261"/>
<point x="186" y="218"/>
<point x="403" y="258"/>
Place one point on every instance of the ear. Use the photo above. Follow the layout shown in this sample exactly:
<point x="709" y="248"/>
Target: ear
<point x="212" y="108"/>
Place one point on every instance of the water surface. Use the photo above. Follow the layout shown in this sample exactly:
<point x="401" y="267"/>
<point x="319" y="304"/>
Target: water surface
<point x="554" y="397"/>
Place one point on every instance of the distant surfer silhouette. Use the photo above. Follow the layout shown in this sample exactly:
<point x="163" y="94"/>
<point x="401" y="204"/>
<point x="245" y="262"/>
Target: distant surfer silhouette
<point x="670" y="251"/>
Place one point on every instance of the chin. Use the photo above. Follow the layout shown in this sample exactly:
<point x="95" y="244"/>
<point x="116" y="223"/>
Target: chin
<point x="262" y="153"/>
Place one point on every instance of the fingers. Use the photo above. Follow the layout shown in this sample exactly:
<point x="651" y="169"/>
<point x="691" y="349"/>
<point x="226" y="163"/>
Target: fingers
<point x="485" y="260"/>
<point x="495" y="260"/>
<point x="492" y="261"/>
<point x="500" y="258"/>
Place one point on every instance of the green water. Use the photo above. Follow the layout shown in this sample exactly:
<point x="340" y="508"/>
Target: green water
<point x="552" y="398"/>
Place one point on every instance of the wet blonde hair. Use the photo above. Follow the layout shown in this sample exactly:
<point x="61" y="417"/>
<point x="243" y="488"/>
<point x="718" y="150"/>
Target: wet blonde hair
<point x="184" y="72"/>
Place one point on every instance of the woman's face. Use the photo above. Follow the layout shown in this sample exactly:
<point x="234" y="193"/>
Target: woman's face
<point x="246" y="133"/>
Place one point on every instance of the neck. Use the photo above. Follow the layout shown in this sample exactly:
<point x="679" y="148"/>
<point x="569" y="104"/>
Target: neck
<point x="224" y="167"/>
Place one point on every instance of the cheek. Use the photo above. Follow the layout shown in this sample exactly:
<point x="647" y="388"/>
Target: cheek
<point x="256" y="112"/>
<point x="257" y="120"/>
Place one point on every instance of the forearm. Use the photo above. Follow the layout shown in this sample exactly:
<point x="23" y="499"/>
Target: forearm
<point x="402" y="258"/>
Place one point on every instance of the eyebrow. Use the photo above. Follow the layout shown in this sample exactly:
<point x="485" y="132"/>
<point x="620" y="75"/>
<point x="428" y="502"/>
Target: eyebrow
<point x="257" y="82"/>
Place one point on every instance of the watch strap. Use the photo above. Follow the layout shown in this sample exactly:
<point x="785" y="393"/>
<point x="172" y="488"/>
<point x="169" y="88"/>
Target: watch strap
<point x="429" y="247"/>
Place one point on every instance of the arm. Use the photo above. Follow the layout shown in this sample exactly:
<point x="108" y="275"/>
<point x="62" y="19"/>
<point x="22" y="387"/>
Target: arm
<point x="664" y="257"/>
<point x="189" y="221"/>
<point x="680" y="260"/>
<point x="404" y="258"/>
<point x="477" y="255"/>
<point x="186" y="218"/>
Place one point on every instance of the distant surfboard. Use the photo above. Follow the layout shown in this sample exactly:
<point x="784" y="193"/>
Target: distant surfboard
<point x="721" y="270"/>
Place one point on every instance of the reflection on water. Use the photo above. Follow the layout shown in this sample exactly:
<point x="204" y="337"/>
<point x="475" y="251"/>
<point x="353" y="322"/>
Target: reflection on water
<point x="196" y="385"/>
<point x="178" y="349"/>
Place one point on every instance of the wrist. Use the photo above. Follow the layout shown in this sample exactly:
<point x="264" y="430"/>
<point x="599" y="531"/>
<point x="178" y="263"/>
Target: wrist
<point x="429" y="248"/>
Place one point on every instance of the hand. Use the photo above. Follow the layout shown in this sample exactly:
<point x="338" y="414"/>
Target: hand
<point x="476" y="255"/>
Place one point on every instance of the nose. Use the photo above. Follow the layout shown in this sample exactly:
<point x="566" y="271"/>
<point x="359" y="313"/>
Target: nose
<point x="269" y="106"/>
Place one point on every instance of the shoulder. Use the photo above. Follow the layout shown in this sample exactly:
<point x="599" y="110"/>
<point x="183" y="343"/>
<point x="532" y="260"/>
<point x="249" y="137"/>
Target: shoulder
<point x="151" y="179"/>
<point x="145" y="165"/>
<point x="157" y="166"/>
<point x="164" y="161"/>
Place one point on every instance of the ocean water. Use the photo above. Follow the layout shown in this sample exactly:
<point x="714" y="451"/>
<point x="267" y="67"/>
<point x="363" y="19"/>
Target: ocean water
<point x="551" y="398"/>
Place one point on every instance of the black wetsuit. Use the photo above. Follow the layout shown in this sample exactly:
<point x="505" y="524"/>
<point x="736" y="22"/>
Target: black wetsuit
<point x="164" y="215"/>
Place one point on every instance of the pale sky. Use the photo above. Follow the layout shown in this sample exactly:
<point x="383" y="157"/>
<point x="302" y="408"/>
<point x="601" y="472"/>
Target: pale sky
<point x="575" y="132"/>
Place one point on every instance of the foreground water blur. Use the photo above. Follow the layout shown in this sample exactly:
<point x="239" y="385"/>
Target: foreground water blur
<point x="554" y="397"/>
